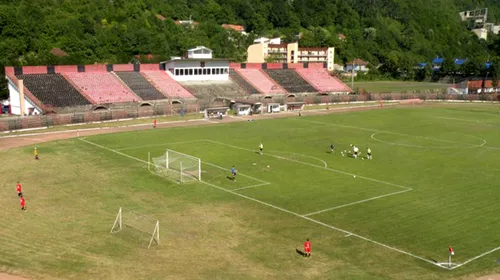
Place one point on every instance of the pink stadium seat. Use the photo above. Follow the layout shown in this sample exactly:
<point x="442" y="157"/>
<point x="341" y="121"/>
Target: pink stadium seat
<point x="102" y="87"/>
<point x="166" y="84"/>
<point x="322" y="80"/>
<point x="260" y="81"/>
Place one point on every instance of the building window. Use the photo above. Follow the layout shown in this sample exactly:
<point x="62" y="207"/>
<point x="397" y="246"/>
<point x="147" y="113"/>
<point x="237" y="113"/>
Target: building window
<point x="213" y="71"/>
<point x="226" y="71"/>
<point x="204" y="71"/>
<point x="177" y="72"/>
<point x="191" y="72"/>
<point x="217" y="71"/>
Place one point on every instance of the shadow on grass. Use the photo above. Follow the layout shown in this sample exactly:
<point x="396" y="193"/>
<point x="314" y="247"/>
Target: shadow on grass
<point x="300" y="252"/>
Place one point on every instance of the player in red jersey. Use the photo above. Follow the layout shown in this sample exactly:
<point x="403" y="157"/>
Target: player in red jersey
<point x="23" y="203"/>
<point x="19" y="189"/>
<point x="307" y="248"/>
<point x="154" y="123"/>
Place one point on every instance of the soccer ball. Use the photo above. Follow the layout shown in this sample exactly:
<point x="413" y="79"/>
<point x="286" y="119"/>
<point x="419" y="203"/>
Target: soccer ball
<point x="353" y="176"/>
<point x="268" y="166"/>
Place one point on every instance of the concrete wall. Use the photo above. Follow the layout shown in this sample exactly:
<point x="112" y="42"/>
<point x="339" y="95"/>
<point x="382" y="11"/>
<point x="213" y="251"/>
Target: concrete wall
<point x="15" y="102"/>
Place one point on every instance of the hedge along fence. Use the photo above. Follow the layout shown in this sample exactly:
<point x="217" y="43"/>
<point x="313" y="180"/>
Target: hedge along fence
<point x="15" y="123"/>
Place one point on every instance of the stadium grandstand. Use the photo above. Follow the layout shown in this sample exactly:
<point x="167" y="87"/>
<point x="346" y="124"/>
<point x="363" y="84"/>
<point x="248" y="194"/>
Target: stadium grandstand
<point x="181" y="80"/>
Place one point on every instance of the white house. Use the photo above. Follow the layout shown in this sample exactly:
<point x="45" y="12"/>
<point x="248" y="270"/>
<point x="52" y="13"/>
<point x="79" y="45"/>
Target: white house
<point x="200" y="52"/>
<point x="198" y="66"/>
<point x="264" y="40"/>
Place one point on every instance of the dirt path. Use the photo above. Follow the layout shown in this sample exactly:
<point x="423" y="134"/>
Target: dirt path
<point x="15" y="141"/>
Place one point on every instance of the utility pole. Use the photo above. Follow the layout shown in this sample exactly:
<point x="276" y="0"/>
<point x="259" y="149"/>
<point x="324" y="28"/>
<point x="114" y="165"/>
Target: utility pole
<point x="352" y="75"/>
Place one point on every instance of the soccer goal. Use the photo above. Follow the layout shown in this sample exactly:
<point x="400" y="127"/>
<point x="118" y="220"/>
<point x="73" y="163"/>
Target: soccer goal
<point x="139" y="222"/>
<point x="177" y="166"/>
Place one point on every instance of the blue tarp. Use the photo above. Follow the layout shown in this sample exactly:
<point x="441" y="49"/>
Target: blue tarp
<point x="438" y="60"/>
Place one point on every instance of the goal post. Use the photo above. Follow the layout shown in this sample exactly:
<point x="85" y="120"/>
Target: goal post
<point x="117" y="225"/>
<point x="178" y="166"/>
<point x="139" y="222"/>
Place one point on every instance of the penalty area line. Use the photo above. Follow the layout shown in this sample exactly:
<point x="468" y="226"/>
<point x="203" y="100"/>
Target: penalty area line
<point x="312" y="165"/>
<point x="283" y="210"/>
<point x="356" y="202"/>
<point x="249" y="187"/>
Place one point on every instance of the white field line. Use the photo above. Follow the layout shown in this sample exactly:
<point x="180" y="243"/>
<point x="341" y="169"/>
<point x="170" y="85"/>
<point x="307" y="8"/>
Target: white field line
<point x="249" y="187"/>
<point x="355" y="202"/>
<point x="261" y="182"/>
<point x="430" y="147"/>
<point x="466" y="120"/>
<point x="301" y="155"/>
<point x="476" y="257"/>
<point x="313" y="165"/>
<point x="388" y="132"/>
<point x="283" y="210"/>
<point x="158" y="145"/>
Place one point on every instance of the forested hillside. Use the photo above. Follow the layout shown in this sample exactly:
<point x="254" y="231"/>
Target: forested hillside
<point x="395" y="33"/>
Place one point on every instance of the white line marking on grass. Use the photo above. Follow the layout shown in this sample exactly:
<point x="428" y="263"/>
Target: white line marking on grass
<point x="227" y="169"/>
<point x="355" y="202"/>
<point x="388" y="132"/>
<point x="429" y="147"/>
<point x="249" y="187"/>
<point x="466" y="120"/>
<point x="114" y="151"/>
<point x="158" y="145"/>
<point x="477" y="257"/>
<point x="282" y="209"/>
<point x="347" y="235"/>
<point x="313" y="165"/>
<point x="301" y="155"/>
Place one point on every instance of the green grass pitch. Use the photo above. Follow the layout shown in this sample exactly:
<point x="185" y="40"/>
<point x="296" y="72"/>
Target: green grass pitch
<point x="432" y="182"/>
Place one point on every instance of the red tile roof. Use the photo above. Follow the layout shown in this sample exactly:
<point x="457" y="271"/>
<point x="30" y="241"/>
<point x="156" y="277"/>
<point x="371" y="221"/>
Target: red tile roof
<point x="58" y="52"/>
<point x="234" y="27"/>
<point x="358" y="61"/>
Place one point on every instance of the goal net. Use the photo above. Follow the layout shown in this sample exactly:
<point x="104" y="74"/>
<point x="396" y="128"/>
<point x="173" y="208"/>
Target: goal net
<point x="142" y="223"/>
<point x="177" y="166"/>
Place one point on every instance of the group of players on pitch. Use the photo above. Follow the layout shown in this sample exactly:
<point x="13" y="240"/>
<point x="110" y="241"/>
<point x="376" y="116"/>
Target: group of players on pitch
<point x="354" y="153"/>
<point x="19" y="187"/>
